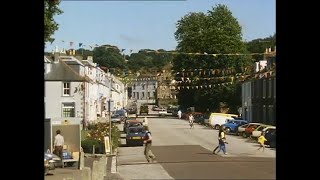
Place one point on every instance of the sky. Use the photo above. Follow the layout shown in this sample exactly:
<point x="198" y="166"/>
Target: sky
<point x="135" y="25"/>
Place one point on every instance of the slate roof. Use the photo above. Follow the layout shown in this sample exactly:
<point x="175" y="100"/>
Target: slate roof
<point x="61" y="72"/>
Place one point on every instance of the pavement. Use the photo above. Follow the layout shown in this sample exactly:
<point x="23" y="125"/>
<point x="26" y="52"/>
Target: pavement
<point x="73" y="173"/>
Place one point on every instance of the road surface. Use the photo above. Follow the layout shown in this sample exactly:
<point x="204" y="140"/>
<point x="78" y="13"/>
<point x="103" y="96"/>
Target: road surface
<point x="184" y="153"/>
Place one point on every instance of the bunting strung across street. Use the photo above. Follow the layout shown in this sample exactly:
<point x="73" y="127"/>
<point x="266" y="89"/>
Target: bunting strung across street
<point x="206" y="54"/>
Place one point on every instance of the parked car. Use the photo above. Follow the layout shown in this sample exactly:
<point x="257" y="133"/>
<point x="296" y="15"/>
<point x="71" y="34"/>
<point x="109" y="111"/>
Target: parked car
<point x="116" y="118"/>
<point x="232" y="125"/>
<point x="132" y="110"/>
<point x="218" y="119"/>
<point x="248" y="131"/>
<point x="270" y="135"/>
<point x="186" y="115"/>
<point x="256" y="133"/>
<point x="122" y="113"/>
<point x="172" y="109"/>
<point x="131" y="123"/>
<point x="144" y="109"/>
<point x="242" y="128"/>
<point x="157" y="108"/>
<point x="162" y="113"/>
<point x="135" y="136"/>
<point x="200" y="118"/>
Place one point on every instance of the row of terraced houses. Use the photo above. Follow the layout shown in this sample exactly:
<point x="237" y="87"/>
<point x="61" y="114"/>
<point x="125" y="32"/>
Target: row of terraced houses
<point x="79" y="90"/>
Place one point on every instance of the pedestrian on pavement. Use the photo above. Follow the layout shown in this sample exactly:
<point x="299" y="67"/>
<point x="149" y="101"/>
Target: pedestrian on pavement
<point x="191" y="119"/>
<point x="58" y="145"/>
<point x="222" y="142"/>
<point x="145" y="122"/>
<point x="261" y="141"/>
<point x="148" y="144"/>
<point x="125" y="114"/>
<point x="179" y="114"/>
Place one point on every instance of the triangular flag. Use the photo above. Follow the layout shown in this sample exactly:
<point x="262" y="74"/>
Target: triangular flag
<point x="210" y="86"/>
<point x="71" y="43"/>
<point x="80" y="44"/>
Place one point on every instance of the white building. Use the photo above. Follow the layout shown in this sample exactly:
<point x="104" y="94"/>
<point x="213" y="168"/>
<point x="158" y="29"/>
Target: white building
<point x="78" y="90"/>
<point x="144" y="90"/>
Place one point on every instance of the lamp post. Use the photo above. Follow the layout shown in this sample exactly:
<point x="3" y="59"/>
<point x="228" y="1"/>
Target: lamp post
<point x="109" y="111"/>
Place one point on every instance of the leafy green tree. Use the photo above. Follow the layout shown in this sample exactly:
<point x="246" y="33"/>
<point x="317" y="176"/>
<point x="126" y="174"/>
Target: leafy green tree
<point x="148" y="60"/>
<point x="51" y="8"/>
<point x="110" y="57"/>
<point x="216" y="32"/>
<point x="259" y="46"/>
<point x="84" y="53"/>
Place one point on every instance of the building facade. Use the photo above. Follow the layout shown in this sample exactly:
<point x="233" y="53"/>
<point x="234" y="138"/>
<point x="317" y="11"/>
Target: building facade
<point x="144" y="90"/>
<point x="78" y="90"/>
<point x="259" y="94"/>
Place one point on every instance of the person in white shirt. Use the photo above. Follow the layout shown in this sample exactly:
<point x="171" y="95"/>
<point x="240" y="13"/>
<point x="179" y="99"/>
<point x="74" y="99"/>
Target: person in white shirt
<point x="145" y="121"/>
<point x="179" y="114"/>
<point x="191" y="119"/>
<point x="148" y="143"/>
<point x="58" y="145"/>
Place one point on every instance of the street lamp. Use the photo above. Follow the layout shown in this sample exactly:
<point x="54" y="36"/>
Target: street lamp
<point x="109" y="111"/>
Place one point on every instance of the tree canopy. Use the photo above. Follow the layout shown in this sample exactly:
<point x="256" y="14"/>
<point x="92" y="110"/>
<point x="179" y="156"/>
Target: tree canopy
<point x="110" y="57"/>
<point x="51" y="8"/>
<point x="216" y="32"/>
<point x="259" y="45"/>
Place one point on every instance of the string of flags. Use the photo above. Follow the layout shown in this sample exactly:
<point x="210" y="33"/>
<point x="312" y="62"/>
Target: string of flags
<point x="80" y="44"/>
<point x="189" y="83"/>
<point x="206" y="54"/>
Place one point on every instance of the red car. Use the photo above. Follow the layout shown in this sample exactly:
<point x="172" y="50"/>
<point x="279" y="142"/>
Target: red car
<point x="251" y="127"/>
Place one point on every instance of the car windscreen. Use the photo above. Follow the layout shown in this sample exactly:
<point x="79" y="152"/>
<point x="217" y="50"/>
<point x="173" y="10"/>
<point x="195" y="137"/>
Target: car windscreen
<point x="260" y="128"/>
<point x="136" y="130"/>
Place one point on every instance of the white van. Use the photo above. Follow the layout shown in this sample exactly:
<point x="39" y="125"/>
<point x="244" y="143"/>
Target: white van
<point x="218" y="119"/>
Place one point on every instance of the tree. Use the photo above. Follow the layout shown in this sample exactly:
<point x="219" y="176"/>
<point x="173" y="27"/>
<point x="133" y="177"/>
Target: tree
<point x="216" y="32"/>
<point x="51" y="8"/>
<point x="110" y="57"/>
<point x="149" y="60"/>
<point x="259" y="45"/>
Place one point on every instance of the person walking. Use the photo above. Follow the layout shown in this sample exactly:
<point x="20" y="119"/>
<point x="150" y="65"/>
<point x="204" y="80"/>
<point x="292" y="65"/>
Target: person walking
<point x="191" y="119"/>
<point x="222" y="142"/>
<point x="58" y="146"/>
<point x="148" y="144"/>
<point x="261" y="141"/>
<point x="179" y="114"/>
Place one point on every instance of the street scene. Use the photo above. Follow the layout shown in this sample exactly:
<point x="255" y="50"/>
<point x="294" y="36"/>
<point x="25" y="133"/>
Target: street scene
<point x="159" y="90"/>
<point x="184" y="153"/>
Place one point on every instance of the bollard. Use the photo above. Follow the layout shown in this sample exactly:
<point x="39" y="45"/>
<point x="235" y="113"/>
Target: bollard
<point x="100" y="172"/>
<point x="86" y="173"/>
<point x="81" y="160"/>
<point x="93" y="150"/>
<point x="103" y="161"/>
<point x="97" y="173"/>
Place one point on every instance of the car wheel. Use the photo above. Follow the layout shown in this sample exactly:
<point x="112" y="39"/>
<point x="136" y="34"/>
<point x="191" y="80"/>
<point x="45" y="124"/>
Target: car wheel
<point x="272" y="144"/>
<point x="217" y="127"/>
<point x="244" y="135"/>
<point x="46" y="170"/>
<point x="228" y="130"/>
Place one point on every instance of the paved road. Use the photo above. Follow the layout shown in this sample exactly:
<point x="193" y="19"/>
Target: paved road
<point x="184" y="153"/>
